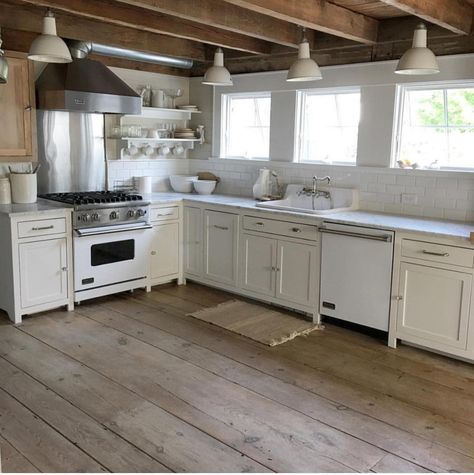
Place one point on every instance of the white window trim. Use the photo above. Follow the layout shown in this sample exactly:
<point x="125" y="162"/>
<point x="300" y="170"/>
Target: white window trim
<point x="300" y="112"/>
<point x="225" y="101"/>
<point x="398" y="116"/>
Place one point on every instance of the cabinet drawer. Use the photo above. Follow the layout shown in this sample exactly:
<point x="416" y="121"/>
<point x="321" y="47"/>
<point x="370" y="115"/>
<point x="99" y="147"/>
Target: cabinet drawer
<point x="164" y="214"/>
<point x="282" y="228"/>
<point x="456" y="256"/>
<point x="41" y="227"/>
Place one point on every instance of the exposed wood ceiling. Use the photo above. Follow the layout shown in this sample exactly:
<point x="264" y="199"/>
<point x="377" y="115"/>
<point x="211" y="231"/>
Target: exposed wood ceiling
<point x="257" y="35"/>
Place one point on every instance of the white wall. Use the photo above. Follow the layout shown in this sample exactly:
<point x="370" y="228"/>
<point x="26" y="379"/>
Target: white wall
<point x="377" y="83"/>
<point x="432" y="194"/>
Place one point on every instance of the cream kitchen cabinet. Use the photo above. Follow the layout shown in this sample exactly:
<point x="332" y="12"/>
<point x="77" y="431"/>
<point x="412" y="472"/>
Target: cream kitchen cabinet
<point x="282" y="269"/>
<point x="36" y="264"/>
<point x="434" y="304"/>
<point x="193" y="241"/>
<point x="297" y="265"/>
<point x="258" y="266"/>
<point x="43" y="272"/>
<point x="221" y="247"/>
<point x="166" y="248"/>
<point x="280" y="262"/>
<point x="433" y="300"/>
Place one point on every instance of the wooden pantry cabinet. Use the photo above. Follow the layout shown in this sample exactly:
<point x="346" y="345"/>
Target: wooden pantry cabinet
<point x="18" y="113"/>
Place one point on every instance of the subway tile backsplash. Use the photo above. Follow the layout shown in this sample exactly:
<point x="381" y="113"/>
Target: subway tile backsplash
<point x="430" y="194"/>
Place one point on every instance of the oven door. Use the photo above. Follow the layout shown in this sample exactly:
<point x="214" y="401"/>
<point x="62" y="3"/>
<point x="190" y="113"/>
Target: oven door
<point x="111" y="255"/>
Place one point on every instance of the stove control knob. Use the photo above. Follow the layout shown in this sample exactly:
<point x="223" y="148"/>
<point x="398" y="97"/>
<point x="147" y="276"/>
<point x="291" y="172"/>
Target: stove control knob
<point x="131" y="213"/>
<point x="86" y="218"/>
<point x="140" y="212"/>
<point x="113" y="215"/>
<point x="95" y="217"/>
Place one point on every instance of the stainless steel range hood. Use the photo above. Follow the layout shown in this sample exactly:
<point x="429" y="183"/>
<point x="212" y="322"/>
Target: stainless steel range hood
<point x="85" y="85"/>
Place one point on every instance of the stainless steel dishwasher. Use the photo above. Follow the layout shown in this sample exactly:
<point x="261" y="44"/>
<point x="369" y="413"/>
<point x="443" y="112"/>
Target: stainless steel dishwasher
<point x="356" y="274"/>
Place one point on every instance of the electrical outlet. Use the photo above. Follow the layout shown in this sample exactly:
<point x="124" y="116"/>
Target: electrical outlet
<point x="409" y="199"/>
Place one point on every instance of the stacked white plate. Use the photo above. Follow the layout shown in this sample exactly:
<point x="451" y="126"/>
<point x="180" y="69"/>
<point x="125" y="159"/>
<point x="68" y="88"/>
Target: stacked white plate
<point x="190" y="108"/>
<point x="184" y="133"/>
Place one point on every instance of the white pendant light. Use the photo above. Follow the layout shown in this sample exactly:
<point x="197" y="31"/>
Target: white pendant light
<point x="3" y="64"/>
<point x="419" y="59"/>
<point x="49" y="47"/>
<point x="304" y="68"/>
<point x="218" y="74"/>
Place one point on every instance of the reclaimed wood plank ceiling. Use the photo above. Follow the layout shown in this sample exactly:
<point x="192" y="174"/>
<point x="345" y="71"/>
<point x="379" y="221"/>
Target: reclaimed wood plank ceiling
<point x="257" y="35"/>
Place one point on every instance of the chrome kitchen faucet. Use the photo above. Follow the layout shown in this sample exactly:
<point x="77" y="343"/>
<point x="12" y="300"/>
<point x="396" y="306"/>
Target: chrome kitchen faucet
<point x="313" y="191"/>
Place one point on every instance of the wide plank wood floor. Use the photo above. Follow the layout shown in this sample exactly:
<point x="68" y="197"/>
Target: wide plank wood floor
<point x="129" y="383"/>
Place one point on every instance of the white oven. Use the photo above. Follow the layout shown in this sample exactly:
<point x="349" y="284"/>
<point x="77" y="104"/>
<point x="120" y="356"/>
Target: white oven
<point x="110" y="259"/>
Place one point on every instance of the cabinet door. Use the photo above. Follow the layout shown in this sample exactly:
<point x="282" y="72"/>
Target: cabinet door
<point x="220" y="247"/>
<point x="43" y="272"/>
<point x="296" y="273"/>
<point x="258" y="264"/>
<point x="17" y="110"/>
<point x="434" y="304"/>
<point x="193" y="241"/>
<point x="164" y="250"/>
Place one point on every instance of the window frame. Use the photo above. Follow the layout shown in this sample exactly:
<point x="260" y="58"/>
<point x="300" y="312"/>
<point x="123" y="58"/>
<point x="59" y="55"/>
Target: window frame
<point x="302" y="94"/>
<point x="225" y="122"/>
<point x="400" y="98"/>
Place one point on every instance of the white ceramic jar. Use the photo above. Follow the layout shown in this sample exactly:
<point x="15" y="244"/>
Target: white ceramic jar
<point x="24" y="187"/>
<point x="5" y="191"/>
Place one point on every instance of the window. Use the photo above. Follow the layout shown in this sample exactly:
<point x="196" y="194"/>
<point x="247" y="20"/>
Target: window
<point x="246" y="125"/>
<point x="435" y="127"/>
<point x="329" y="126"/>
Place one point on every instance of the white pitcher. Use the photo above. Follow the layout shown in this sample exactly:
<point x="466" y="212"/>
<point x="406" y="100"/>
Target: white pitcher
<point x="262" y="185"/>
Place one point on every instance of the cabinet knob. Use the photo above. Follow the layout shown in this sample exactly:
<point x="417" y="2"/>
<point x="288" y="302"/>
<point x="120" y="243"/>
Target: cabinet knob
<point x="399" y="297"/>
<point x="153" y="253"/>
<point x="64" y="269"/>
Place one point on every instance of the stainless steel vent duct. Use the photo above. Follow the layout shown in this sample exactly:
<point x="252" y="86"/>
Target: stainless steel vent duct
<point x="81" y="49"/>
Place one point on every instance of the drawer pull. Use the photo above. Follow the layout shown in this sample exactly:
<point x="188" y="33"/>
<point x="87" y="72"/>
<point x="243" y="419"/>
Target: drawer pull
<point x="433" y="253"/>
<point x="164" y="214"/>
<point x="153" y="253"/>
<point x="42" y="228"/>
<point x="296" y="230"/>
<point x="224" y="228"/>
<point x="260" y="224"/>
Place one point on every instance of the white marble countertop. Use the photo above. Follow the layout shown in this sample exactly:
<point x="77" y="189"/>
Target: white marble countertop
<point x="433" y="227"/>
<point x="40" y="207"/>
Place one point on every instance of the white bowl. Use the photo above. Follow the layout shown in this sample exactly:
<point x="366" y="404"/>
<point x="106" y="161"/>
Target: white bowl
<point x="182" y="183"/>
<point x="204" y="187"/>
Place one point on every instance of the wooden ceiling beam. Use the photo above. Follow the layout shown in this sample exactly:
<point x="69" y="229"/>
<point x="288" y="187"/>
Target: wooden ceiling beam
<point x="319" y="15"/>
<point x="15" y="40"/>
<point x="131" y="16"/>
<point x="218" y="14"/>
<point x="454" y="15"/>
<point x="23" y="18"/>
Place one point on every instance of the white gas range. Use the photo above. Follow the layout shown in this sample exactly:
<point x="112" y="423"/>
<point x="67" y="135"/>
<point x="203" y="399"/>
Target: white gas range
<point x="111" y="238"/>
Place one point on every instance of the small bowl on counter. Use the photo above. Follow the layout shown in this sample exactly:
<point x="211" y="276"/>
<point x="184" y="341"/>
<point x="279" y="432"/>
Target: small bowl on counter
<point x="204" y="187"/>
<point x="182" y="183"/>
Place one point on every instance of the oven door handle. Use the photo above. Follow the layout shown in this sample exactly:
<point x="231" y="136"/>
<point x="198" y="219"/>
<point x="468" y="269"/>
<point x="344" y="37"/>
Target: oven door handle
<point x="96" y="232"/>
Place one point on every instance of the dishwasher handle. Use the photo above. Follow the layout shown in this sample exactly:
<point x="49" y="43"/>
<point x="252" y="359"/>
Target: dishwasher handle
<point x="373" y="237"/>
